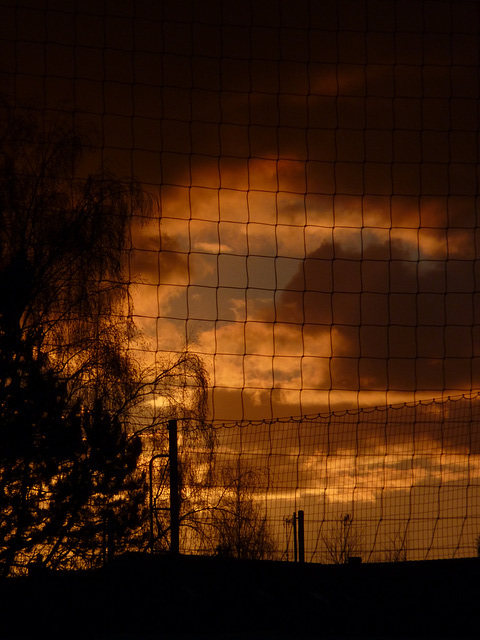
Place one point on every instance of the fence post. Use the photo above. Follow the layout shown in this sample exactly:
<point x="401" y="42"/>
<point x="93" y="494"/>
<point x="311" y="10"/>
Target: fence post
<point x="108" y="541"/>
<point x="174" y="489"/>
<point x="150" y="491"/>
<point x="301" y="537"/>
<point x="294" y="524"/>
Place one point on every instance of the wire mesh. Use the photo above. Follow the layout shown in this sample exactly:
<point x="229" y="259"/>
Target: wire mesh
<point x="386" y="484"/>
<point x="315" y="166"/>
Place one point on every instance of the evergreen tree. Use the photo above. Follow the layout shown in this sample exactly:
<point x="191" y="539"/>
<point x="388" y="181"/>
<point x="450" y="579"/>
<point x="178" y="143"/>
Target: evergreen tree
<point x="63" y="469"/>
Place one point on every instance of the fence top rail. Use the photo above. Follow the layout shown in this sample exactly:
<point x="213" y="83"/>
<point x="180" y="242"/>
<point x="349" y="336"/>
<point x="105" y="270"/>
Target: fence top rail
<point x="353" y="412"/>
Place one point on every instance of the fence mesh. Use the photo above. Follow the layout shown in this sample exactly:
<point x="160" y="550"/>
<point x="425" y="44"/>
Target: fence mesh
<point x="315" y="166"/>
<point x="400" y="482"/>
<point x="390" y="483"/>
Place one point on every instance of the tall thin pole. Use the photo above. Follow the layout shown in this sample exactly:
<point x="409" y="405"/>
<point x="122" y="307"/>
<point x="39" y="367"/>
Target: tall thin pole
<point x="294" y="524"/>
<point x="150" y="493"/>
<point x="301" y="537"/>
<point x="174" y="489"/>
<point x="150" y="490"/>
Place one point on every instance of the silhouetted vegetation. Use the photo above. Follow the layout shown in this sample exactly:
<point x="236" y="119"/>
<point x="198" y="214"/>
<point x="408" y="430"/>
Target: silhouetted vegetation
<point x="240" y="528"/>
<point x="68" y="384"/>
<point x="65" y="470"/>
<point x="397" y="551"/>
<point x="342" y="540"/>
<point x="73" y="400"/>
<point x="221" y="508"/>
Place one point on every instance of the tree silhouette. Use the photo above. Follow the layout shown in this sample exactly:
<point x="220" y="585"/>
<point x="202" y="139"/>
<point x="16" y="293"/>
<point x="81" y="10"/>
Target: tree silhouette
<point x="220" y="509"/>
<point x="222" y="514"/>
<point x="62" y="466"/>
<point x="73" y="400"/>
<point x="342" y="540"/>
<point x="241" y="529"/>
<point x="63" y="240"/>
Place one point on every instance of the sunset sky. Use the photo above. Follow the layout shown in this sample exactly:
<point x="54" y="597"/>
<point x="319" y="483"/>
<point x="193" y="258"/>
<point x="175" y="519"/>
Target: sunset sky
<point x="316" y="236"/>
<point x="316" y="171"/>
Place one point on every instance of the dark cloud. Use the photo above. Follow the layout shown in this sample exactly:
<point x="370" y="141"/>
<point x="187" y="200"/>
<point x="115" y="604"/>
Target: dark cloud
<point x="308" y="90"/>
<point x="395" y="322"/>
<point x="150" y="265"/>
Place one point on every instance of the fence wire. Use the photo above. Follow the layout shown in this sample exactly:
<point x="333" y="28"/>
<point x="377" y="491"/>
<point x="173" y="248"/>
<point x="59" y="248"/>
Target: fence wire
<point x="315" y="240"/>
<point x="392" y="483"/>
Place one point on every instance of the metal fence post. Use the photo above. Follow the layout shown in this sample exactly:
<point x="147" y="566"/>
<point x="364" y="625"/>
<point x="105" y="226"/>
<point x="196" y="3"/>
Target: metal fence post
<point x="294" y="525"/>
<point x="174" y="489"/>
<point x="301" y="537"/>
<point x="150" y="491"/>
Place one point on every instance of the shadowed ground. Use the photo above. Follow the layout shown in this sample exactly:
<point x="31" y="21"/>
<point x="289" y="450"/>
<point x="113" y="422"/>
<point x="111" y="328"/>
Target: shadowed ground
<point x="192" y="597"/>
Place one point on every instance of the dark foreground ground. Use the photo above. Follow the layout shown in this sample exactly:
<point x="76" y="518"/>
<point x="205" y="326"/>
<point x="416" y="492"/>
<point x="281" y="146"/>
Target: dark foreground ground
<point x="145" y="597"/>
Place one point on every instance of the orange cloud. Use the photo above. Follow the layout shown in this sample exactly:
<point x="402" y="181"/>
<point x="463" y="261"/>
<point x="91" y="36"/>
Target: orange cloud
<point x="313" y="314"/>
